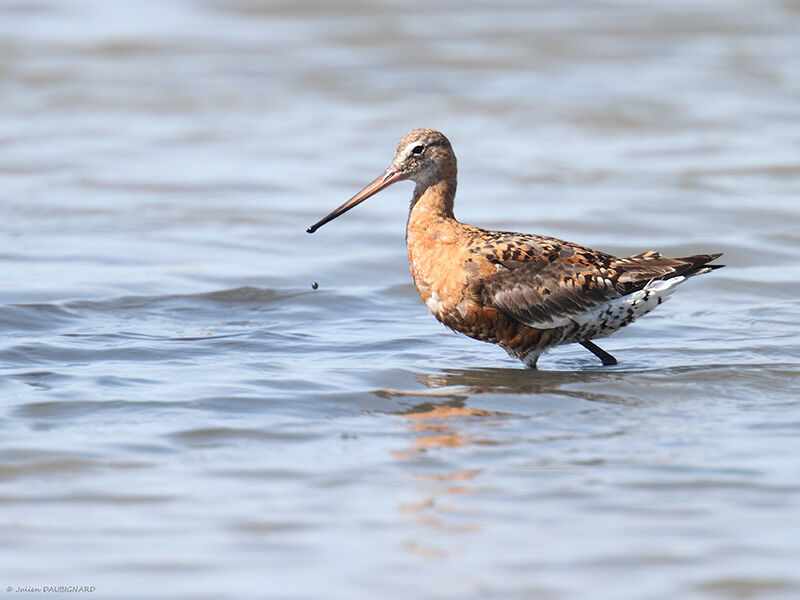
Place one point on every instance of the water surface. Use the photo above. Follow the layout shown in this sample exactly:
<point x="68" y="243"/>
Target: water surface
<point x="182" y="416"/>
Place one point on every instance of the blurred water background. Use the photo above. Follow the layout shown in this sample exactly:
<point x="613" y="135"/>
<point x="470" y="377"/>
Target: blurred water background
<point x="182" y="416"/>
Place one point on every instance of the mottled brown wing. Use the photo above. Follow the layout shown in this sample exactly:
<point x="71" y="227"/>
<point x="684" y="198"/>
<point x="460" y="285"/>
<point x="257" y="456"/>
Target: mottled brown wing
<point x="635" y="271"/>
<point x="550" y="294"/>
<point x="547" y="294"/>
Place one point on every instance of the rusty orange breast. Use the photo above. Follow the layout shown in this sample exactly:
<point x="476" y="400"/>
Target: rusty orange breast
<point x="448" y="276"/>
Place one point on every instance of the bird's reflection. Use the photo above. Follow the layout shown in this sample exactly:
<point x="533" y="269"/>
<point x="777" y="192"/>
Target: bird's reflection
<point x="437" y="424"/>
<point x="442" y="425"/>
<point x="442" y="428"/>
<point x="460" y="384"/>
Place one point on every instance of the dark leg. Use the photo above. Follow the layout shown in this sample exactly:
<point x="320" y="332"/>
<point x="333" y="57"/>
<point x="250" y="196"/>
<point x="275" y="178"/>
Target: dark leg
<point x="607" y="359"/>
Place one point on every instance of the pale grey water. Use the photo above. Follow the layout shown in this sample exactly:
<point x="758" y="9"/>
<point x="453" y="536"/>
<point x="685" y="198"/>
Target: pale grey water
<point x="184" y="417"/>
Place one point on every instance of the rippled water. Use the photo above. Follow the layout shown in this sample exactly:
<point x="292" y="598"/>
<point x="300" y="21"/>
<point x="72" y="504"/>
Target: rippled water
<point x="184" y="417"/>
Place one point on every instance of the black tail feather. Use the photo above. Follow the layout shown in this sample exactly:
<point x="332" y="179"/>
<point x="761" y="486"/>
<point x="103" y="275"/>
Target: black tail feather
<point x="698" y="264"/>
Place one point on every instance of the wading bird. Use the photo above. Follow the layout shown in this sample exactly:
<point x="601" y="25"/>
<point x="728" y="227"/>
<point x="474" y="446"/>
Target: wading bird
<point x="524" y="292"/>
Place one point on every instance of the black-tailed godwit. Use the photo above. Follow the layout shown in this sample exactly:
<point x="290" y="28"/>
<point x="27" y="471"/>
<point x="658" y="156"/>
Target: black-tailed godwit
<point x="524" y="292"/>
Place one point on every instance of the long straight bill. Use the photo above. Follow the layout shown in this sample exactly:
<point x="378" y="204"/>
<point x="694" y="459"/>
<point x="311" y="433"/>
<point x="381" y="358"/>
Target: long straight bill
<point x="385" y="180"/>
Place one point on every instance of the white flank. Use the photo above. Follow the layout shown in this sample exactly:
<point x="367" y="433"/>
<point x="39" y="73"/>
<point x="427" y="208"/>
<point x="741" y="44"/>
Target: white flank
<point x="607" y="318"/>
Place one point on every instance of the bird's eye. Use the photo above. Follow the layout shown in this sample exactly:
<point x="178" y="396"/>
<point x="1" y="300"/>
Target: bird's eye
<point x="417" y="149"/>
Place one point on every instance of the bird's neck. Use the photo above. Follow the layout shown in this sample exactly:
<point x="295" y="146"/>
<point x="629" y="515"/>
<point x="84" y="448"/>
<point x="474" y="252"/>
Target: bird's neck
<point x="432" y="232"/>
<point x="433" y="202"/>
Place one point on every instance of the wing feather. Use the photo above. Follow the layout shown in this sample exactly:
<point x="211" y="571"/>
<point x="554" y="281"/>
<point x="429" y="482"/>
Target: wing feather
<point x="546" y="295"/>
